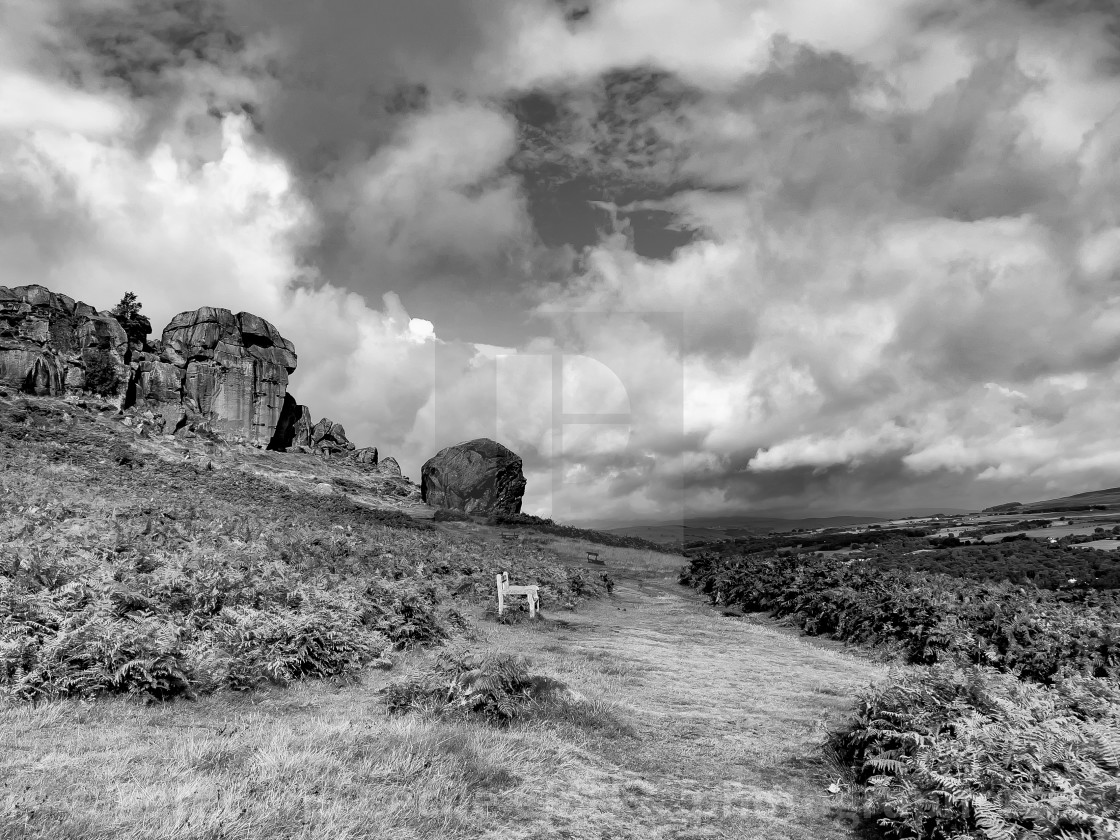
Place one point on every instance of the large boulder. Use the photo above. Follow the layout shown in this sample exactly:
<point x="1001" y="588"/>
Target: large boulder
<point x="52" y="345"/>
<point x="234" y="371"/>
<point x="479" y="476"/>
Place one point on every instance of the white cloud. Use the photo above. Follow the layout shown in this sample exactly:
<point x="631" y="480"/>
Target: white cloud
<point x="713" y="42"/>
<point x="850" y="447"/>
<point x="415" y="196"/>
<point x="29" y="103"/>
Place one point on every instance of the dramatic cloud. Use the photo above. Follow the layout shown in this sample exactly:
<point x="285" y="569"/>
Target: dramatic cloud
<point x="723" y="255"/>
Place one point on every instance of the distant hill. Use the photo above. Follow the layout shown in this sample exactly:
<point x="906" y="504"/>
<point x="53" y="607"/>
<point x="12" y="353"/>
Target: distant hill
<point x="764" y="524"/>
<point x="727" y="527"/>
<point x="1092" y="500"/>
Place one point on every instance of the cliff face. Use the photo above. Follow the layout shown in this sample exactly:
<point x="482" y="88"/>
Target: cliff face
<point x="226" y="372"/>
<point x="229" y="371"/>
<point x="50" y="343"/>
<point x="211" y="371"/>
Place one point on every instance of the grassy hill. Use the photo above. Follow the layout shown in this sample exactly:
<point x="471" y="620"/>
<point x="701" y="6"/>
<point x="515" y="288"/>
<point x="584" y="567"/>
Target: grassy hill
<point x="235" y="643"/>
<point x="1108" y="499"/>
<point x="165" y="566"/>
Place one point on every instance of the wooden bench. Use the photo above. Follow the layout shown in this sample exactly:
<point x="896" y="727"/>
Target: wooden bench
<point x="508" y="535"/>
<point x="593" y="557"/>
<point x="505" y="590"/>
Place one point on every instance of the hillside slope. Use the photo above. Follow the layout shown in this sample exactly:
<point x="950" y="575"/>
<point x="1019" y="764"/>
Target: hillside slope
<point x="1107" y="499"/>
<point x="171" y="566"/>
<point x="694" y="726"/>
<point x="282" y="592"/>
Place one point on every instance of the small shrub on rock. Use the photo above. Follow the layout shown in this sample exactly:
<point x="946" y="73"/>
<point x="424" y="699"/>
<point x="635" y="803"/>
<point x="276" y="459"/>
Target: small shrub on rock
<point x="102" y="377"/>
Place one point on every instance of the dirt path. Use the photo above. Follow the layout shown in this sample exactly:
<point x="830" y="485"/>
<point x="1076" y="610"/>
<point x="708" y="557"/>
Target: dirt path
<point x="728" y="712"/>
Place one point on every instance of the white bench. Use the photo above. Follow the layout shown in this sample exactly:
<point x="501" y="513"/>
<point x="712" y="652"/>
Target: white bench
<point x="504" y="590"/>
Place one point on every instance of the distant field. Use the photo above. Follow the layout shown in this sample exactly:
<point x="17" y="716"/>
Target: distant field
<point x="635" y="563"/>
<point x="723" y="528"/>
<point x="1101" y="545"/>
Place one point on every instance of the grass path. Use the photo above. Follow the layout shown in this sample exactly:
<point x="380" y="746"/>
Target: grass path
<point x="729" y="713"/>
<point x="718" y="719"/>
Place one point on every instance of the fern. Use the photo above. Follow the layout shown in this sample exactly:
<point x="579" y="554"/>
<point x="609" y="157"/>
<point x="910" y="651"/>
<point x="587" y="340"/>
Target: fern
<point x="496" y="687"/>
<point x="944" y="752"/>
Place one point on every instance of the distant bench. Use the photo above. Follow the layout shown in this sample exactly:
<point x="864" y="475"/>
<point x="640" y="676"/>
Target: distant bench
<point x="508" y="535"/>
<point x="593" y="557"/>
<point x="505" y="590"/>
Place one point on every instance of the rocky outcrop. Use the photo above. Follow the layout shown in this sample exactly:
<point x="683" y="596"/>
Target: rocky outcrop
<point x="366" y="456"/>
<point x="389" y="466"/>
<point x="479" y="476"/>
<point x="52" y="345"/>
<point x="228" y="372"/>
<point x="293" y="429"/>
<point x="295" y="432"/>
<point x="328" y="436"/>
<point x="212" y="371"/>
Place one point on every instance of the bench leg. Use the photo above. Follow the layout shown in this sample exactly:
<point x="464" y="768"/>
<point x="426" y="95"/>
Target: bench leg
<point x="501" y="600"/>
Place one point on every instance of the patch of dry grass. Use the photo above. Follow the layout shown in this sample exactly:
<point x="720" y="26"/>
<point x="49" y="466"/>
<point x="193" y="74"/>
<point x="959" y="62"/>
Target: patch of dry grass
<point x="333" y="767"/>
<point x="691" y="726"/>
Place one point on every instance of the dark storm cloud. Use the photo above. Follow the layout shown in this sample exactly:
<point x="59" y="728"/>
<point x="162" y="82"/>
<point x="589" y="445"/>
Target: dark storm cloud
<point x="346" y="68"/>
<point x="153" y="52"/>
<point x="139" y="44"/>
<point x="883" y="485"/>
<point x="587" y="154"/>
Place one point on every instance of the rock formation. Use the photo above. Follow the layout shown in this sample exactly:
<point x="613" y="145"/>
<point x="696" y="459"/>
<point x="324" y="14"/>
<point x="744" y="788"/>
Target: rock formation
<point x="293" y="430"/>
<point x="212" y="371"/>
<point x="367" y="456"/>
<point x="51" y="345"/>
<point x="479" y="476"/>
<point x="227" y="372"/>
<point x="389" y="466"/>
<point x="328" y="436"/>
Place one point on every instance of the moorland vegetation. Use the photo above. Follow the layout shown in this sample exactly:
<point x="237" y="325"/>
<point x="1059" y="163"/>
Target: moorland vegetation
<point x="547" y="526"/>
<point x="1009" y="730"/>
<point x="123" y="573"/>
<point x="1016" y="558"/>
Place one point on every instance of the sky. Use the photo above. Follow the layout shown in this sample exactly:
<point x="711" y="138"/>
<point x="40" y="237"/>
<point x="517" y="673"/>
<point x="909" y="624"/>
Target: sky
<point x="705" y="257"/>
